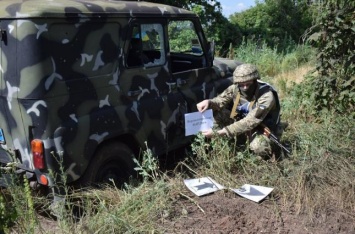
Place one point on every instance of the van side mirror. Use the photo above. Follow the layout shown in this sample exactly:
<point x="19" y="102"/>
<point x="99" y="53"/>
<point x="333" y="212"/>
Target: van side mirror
<point x="210" y="54"/>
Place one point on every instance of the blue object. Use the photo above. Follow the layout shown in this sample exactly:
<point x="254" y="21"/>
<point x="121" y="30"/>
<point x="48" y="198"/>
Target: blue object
<point x="2" y="137"/>
<point x="243" y="109"/>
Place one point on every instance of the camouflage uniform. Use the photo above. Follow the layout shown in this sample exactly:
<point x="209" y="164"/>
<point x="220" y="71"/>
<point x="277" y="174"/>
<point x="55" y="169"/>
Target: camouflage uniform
<point x="264" y="108"/>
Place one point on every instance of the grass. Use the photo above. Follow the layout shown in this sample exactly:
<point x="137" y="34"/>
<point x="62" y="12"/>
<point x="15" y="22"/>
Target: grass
<point x="133" y="210"/>
<point x="270" y="61"/>
<point x="319" y="175"/>
<point x="284" y="81"/>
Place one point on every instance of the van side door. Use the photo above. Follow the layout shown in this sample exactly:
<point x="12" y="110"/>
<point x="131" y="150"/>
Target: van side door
<point x="153" y="107"/>
<point x="195" y="77"/>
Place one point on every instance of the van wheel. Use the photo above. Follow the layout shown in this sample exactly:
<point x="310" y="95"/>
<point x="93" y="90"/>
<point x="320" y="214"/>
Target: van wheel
<point x="112" y="164"/>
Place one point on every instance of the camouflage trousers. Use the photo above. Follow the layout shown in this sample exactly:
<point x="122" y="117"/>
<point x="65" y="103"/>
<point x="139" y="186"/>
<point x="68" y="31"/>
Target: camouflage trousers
<point x="260" y="144"/>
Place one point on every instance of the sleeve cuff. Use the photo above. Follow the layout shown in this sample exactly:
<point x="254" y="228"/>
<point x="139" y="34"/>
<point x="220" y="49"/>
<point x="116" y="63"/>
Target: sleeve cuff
<point x="229" y="134"/>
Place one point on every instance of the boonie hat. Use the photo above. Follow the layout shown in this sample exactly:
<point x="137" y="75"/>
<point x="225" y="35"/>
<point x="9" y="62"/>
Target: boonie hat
<point x="245" y="72"/>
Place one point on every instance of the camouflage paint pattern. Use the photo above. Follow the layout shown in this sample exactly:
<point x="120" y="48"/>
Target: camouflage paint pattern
<point x="63" y="79"/>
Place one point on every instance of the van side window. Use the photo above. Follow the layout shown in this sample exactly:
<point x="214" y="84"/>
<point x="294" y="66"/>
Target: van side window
<point x="146" y="46"/>
<point x="185" y="47"/>
<point x="69" y="45"/>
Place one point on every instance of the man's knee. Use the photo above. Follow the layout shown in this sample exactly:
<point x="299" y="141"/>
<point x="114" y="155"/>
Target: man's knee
<point x="261" y="146"/>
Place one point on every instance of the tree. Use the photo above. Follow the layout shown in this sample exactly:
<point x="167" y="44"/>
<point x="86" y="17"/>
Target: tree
<point x="209" y="11"/>
<point x="223" y="32"/>
<point x="334" y="37"/>
<point x="217" y="27"/>
<point x="274" y="20"/>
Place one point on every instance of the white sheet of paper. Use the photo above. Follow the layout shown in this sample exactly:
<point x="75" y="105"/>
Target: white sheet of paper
<point x="202" y="186"/>
<point x="197" y="121"/>
<point x="253" y="192"/>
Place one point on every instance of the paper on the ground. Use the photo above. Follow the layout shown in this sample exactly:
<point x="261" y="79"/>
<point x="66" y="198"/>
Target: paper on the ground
<point x="253" y="192"/>
<point x="197" y="121"/>
<point x="202" y="186"/>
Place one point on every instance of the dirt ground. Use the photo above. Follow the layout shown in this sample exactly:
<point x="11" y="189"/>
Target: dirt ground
<point x="226" y="212"/>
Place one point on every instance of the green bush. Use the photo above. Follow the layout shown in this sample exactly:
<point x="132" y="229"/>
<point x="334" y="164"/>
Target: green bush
<point x="333" y="35"/>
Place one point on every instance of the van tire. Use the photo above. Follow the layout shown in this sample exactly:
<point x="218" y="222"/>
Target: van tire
<point x="112" y="164"/>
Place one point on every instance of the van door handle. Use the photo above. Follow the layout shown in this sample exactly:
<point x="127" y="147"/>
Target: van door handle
<point x="172" y="85"/>
<point x="134" y="93"/>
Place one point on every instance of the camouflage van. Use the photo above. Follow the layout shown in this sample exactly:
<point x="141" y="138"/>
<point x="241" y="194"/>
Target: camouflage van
<point x="87" y="84"/>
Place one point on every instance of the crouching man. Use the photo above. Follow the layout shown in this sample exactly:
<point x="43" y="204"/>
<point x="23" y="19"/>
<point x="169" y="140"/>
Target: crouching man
<point x="246" y="108"/>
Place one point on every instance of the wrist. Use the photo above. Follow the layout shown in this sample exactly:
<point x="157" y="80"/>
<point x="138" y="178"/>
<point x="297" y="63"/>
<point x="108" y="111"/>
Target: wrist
<point x="209" y="103"/>
<point x="222" y="132"/>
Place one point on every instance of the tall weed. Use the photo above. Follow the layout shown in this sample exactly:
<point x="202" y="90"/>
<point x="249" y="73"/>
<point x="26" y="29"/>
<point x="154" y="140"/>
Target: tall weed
<point x="272" y="61"/>
<point x="317" y="177"/>
<point x="134" y="209"/>
<point x="323" y="175"/>
<point x="148" y="167"/>
<point x="216" y="156"/>
<point x="131" y="210"/>
<point x="21" y="201"/>
<point x="8" y="213"/>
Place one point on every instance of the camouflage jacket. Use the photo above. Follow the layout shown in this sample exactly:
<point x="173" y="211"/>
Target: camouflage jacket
<point x="265" y="108"/>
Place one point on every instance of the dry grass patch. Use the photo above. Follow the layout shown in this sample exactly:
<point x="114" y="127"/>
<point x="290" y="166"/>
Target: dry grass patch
<point x="296" y="75"/>
<point x="285" y="80"/>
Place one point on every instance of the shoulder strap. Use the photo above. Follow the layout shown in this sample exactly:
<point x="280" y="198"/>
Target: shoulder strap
<point x="234" y="109"/>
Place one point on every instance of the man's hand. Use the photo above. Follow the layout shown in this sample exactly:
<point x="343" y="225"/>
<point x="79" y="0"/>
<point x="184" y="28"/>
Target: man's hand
<point x="209" y="133"/>
<point x="202" y="106"/>
<point x="222" y="132"/>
